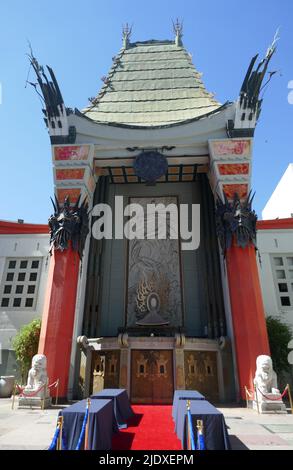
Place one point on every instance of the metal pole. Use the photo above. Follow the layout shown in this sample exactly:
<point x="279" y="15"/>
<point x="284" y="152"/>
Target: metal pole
<point x="256" y="398"/>
<point x="57" y="392"/>
<point x="189" y="447"/>
<point x="60" y="425"/>
<point x="13" y="397"/>
<point x="290" y="398"/>
<point x="246" y="396"/>
<point x="199" y="425"/>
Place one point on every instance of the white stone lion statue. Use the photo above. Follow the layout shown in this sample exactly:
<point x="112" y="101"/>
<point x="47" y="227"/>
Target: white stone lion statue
<point x="265" y="381"/>
<point x="37" y="377"/>
<point x="265" y="377"/>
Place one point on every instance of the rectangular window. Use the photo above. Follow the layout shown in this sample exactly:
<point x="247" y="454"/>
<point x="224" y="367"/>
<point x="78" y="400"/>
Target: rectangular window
<point x="283" y="274"/>
<point x="20" y="282"/>
<point x="4" y="302"/>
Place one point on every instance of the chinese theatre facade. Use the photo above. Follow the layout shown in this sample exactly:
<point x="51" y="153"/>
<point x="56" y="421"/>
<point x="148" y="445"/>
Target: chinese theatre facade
<point x="145" y="314"/>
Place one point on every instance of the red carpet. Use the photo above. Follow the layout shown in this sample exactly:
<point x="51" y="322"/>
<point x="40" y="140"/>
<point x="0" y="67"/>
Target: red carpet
<point x="151" y="428"/>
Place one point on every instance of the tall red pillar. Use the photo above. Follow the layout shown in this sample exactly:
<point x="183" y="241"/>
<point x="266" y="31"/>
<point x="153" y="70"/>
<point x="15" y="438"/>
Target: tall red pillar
<point x="248" y="316"/>
<point x="58" y="316"/>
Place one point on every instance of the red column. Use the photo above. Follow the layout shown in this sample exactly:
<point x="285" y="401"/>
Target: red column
<point x="249" y="325"/>
<point x="58" y="316"/>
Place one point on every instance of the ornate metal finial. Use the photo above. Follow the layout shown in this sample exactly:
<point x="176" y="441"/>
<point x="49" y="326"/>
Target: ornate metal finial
<point x="126" y="33"/>
<point x="178" y="31"/>
<point x="188" y="405"/>
<point x="69" y="224"/>
<point x="237" y="219"/>
<point x="199" y="425"/>
<point x="272" y="48"/>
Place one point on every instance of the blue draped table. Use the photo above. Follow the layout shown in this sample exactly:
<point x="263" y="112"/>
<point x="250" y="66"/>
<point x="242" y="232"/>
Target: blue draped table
<point x="214" y="427"/>
<point x="184" y="395"/>
<point x="102" y="424"/>
<point x="122" y="408"/>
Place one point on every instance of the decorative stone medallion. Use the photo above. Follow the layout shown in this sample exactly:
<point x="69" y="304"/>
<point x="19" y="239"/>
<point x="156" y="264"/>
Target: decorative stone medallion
<point x="150" y="166"/>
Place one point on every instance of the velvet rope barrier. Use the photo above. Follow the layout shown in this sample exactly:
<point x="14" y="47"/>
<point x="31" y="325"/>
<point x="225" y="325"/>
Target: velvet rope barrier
<point x="53" y="444"/>
<point x="56" y="443"/>
<point x="276" y="398"/>
<point x="32" y="394"/>
<point x="54" y="384"/>
<point x="249" y="393"/>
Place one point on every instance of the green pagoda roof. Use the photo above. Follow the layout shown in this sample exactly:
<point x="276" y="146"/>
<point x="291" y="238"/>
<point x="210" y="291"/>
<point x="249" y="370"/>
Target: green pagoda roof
<point x="151" y="83"/>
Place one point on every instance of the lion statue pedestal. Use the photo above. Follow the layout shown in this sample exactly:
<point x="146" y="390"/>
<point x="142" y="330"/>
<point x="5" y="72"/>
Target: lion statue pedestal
<point x="36" y="392"/>
<point x="266" y="388"/>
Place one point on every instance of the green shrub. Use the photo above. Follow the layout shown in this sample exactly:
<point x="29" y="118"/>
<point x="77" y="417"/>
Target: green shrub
<point x="25" y="344"/>
<point x="279" y="336"/>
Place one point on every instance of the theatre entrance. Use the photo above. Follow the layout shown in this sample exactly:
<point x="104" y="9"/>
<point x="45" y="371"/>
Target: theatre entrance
<point x="152" y="376"/>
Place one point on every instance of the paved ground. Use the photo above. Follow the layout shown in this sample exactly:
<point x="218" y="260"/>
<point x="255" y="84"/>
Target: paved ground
<point x="33" y="429"/>
<point x="249" y="430"/>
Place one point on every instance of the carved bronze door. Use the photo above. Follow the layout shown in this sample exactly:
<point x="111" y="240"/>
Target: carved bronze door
<point x="105" y="373"/>
<point x="201" y="373"/>
<point x="152" y="376"/>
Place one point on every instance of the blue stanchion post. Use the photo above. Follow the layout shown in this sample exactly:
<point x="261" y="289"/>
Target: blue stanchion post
<point x="200" y="436"/>
<point x="84" y="430"/>
<point x="190" y="433"/>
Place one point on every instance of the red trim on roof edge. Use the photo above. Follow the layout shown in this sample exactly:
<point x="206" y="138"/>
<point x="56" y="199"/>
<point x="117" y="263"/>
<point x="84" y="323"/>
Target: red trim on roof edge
<point x="14" y="228"/>
<point x="276" y="224"/>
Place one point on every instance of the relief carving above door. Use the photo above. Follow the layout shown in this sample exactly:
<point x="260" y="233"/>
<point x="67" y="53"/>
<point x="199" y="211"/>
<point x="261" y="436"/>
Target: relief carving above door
<point x="154" y="293"/>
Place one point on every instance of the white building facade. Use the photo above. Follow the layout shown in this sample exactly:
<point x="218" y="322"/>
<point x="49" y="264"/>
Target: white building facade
<point x="24" y="263"/>
<point x="275" y="244"/>
<point x="280" y="204"/>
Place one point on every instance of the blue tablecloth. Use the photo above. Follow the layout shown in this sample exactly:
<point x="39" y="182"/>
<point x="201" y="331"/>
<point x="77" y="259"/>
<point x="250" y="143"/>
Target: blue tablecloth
<point x="184" y="395"/>
<point x="102" y="424"/>
<point x="214" y="426"/>
<point x="122" y="408"/>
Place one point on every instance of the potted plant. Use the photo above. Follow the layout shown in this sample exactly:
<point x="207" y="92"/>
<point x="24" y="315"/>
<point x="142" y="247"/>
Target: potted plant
<point x="6" y="385"/>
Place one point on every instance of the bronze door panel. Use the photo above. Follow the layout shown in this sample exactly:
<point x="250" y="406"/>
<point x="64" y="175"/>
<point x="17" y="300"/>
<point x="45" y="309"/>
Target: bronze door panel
<point x="152" y="376"/>
<point x="201" y="373"/>
<point x="105" y="370"/>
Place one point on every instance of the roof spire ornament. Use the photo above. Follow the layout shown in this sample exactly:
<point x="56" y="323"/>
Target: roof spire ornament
<point x="126" y="33"/>
<point x="54" y="109"/>
<point x="178" y="31"/>
<point x="249" y="103"/>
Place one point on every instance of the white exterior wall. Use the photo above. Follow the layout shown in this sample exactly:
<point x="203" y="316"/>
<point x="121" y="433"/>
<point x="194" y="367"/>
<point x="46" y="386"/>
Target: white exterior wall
<point x="274" y="242"/>
<point x="280" y="204"/>
<point x="22" y="246"/>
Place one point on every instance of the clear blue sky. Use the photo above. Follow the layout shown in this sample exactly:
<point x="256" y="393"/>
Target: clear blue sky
<point x="79" y="38"/>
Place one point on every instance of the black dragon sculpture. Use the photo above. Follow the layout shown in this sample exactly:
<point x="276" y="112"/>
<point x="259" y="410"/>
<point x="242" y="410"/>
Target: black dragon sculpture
<point x="69" y="224"/>
<point x="235" y="219"/>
